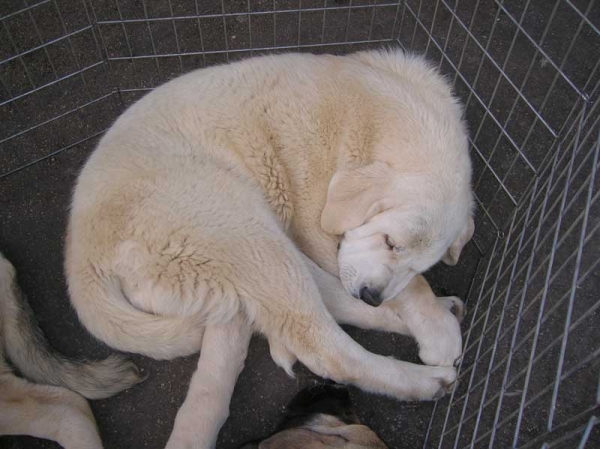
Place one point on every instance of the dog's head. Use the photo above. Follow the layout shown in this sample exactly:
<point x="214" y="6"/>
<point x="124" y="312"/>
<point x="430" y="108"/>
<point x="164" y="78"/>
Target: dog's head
<point x="401" y="199"/>
<point x="319" y="417"/>
<point x="395" y="225"/>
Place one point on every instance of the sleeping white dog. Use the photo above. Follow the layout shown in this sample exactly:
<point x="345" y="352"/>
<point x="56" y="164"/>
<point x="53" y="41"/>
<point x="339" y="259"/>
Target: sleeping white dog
<point x="213" y="208"/>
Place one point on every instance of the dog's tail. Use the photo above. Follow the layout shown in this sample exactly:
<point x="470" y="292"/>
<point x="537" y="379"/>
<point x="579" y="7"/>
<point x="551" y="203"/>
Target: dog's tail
<point x="106" y="312"/>
<point x="30" y="352"/>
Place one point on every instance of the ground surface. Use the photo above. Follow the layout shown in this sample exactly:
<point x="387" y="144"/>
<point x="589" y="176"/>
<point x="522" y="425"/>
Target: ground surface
<point x="34" y="201"/>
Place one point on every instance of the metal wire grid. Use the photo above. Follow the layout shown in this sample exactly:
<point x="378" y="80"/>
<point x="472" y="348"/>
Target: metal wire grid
<point x="529" y="375"/>
<point x="52" y="80"/>
<point x="69" y="67"/>
<point x="212" y="32"/>
<point x="528" y="73"/>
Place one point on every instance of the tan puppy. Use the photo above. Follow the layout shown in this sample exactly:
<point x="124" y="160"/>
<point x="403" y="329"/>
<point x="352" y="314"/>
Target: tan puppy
<point x="47" y="409"/>
<point x="319" y="417"/>
<point x="196" y="212"/>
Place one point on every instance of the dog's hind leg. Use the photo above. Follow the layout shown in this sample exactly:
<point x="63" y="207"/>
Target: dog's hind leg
<point x="42" y="411"/>
<point x="206" y="406"/>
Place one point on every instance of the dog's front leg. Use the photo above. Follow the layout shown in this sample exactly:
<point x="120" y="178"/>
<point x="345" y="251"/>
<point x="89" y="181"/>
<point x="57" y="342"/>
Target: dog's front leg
<point x="347" y="309"/>
<point x="416" y="312"/>
<point x="206" y="407"/>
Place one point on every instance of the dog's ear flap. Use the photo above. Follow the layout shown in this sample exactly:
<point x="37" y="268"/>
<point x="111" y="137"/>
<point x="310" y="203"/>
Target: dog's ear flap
<point x="453" y="253"/>
<point x="354" y="196"/>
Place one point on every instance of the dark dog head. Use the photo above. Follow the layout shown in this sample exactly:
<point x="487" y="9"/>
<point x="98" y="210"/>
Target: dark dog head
<point x="319" y="417"/>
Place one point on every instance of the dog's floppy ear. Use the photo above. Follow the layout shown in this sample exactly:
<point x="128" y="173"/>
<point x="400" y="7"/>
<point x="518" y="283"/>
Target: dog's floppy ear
<point x="453" y="253"/>
<point x="356" y="195"/>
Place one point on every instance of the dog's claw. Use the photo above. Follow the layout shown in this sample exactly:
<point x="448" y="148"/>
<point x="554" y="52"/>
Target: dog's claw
<point x="439" y="394"/>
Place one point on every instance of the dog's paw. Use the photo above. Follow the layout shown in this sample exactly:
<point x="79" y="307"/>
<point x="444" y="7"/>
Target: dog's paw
<point x="434" y="382"/>
<point x="439" y="337"/>
<point x="437" y="355"/>
<point x="442" y="347"/>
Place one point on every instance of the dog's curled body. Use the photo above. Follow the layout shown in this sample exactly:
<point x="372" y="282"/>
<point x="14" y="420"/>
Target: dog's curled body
<point x="198" y="204"/>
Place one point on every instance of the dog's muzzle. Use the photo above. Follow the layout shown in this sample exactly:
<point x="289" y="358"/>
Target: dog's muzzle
<point x="371" y="296"/>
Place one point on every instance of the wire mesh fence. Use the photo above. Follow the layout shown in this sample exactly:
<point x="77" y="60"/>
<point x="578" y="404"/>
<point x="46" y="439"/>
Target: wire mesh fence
<point x="528" y="73"/>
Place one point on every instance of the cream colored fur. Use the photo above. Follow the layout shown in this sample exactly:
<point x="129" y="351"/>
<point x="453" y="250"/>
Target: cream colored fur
<point x="433" y="322"/>
<point x="199" y="206"/>
<point x="45" y="411"/>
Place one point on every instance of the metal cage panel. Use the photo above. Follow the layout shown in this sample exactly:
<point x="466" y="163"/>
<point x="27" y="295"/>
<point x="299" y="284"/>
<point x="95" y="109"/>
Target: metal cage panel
<point x="528" y="72"/>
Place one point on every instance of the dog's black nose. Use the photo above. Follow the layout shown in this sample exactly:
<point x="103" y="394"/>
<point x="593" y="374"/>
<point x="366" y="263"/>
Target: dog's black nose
<point x="371" y="296"/>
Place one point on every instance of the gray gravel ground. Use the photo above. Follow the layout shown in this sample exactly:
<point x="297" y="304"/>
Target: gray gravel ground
<point x="34" y="201"/>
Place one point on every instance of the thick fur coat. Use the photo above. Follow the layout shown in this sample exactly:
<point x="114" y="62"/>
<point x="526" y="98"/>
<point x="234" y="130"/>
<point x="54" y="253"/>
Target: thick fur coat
<point x="215" y="205"/>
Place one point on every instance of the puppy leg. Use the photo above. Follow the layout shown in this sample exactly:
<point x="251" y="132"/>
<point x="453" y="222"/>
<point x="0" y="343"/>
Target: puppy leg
<point x="206" y="407"/>
<point x="52" y="413"/>
<point x="282" y="357"/>
<point x="346" y="309"/>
